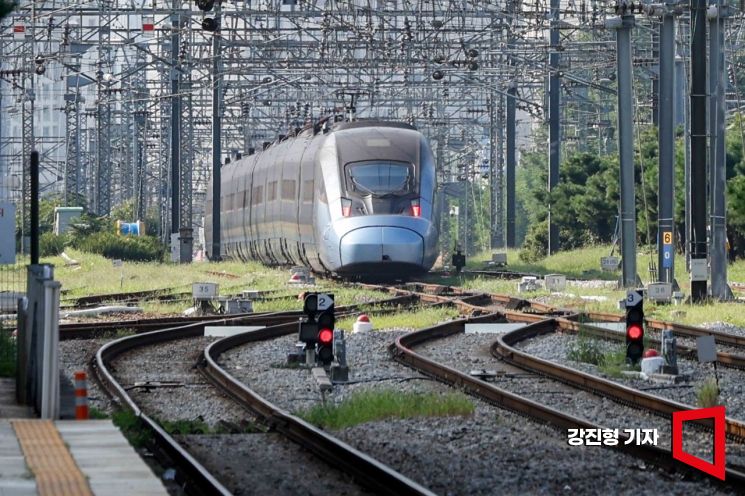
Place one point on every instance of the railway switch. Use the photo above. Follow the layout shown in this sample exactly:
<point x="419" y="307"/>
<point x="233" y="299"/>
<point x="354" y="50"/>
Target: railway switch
<point x="634" y="326"/>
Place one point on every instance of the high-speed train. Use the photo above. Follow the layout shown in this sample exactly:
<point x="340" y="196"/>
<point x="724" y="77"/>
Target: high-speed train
<point x="353" y="199"/>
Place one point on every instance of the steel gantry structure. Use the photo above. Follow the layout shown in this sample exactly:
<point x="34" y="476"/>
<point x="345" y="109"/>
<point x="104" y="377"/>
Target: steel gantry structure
<point x="154" y="95"/>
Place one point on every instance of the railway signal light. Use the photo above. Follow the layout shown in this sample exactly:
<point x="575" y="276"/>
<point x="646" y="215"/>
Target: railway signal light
<point x="326" y="323"/>
<point x="210" y="24"/>
<point x="205" y="5"/>
<point x="634" y="326"/>
<point x="317" y="332"/>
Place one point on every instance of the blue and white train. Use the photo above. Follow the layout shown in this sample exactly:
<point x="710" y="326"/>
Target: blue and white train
<point x="352" y="199"/>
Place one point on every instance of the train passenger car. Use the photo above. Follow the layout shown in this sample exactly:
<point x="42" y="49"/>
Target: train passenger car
<point x="355" y="199"/>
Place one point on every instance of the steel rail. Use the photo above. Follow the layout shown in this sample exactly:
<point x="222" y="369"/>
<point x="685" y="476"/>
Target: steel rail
<point x="384" y="477"/>
<point x="402" y="351"/>
<point x="195" y="471"/>
<point x="503" y="348"/>
<point x="373" y="473"/>
<point x="88" y="329"/>
<point x="723" y="358"/>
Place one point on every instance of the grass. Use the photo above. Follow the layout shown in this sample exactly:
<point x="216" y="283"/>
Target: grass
<point x="96" y="414"/>
<point x="584" y="263"/>
<point x="587" y="350"/>
<point x="368" y="406"/>
<point x="613" y="363"/>
<point x="707" y="394"/>
<point x="97" y="275"/>
<point x="418" y="318"/>
<point x="7" y="354"/>
<point x="133" y="429"/>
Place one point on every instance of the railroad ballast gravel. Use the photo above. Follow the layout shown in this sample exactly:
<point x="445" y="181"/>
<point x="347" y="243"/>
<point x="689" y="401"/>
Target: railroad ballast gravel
<point x="491" y="452"/>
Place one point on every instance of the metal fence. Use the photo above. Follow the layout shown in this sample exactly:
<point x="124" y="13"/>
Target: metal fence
<point x="12" y="288"/>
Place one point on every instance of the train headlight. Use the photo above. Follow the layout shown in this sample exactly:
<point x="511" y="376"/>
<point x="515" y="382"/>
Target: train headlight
<point x="346" y="207"/>
<point x="416" y="208"/>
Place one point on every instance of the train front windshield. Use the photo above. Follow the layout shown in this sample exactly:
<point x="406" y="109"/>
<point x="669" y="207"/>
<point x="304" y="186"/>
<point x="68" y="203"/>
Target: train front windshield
<point x="380" y="178"/>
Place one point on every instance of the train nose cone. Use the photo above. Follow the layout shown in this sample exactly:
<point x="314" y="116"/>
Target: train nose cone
<point x="382" y="244"/>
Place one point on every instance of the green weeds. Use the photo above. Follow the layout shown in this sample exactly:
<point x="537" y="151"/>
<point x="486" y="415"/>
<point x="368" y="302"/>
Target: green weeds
<point x="368" y="406"/>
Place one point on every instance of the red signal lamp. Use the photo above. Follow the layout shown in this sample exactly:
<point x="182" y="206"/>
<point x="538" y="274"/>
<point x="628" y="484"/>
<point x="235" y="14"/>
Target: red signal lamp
<point x="325" y="337"/>
<point x="635" y="331"/>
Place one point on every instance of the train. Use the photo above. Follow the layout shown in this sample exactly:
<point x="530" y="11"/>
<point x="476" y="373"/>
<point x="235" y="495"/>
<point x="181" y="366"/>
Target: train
<point x="349" y="199"/>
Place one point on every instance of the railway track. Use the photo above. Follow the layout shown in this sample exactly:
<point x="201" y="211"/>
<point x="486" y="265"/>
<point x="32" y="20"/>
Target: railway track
<point x="374" y="474"/>
<point x="403" y="350"/>
<point x="540" y="319"/>
<point x="91" y="329"/>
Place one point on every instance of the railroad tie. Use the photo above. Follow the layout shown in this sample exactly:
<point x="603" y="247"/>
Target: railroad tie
<point x="49" y="460"/>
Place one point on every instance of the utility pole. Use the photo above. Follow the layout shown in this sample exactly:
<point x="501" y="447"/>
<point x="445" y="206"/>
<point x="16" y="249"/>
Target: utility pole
<point x="554" y="121"/>
<point x="666" y="143"/>
<point x="499" y="212"/>
<point x="510" y="176"/>
<point x="698" y="152"/>
<point x="716" y="13"/>
<point x="493" y="193"/>
<point x="216" y="130"/>
<point x="625" y="75"/>
<point x="27" y="136"/>
<point x="175" y="120"/>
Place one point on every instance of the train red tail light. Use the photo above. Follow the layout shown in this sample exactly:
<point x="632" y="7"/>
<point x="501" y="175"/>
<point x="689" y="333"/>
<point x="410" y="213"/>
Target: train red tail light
<point x="326" y="337"/>
<point x="346" y="207"/>
<point x="416" y="208"/>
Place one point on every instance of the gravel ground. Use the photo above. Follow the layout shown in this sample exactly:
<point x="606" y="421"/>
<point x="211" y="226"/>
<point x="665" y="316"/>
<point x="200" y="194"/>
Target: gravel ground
<point x="185" y="399"/>
<point x="474" y="353"/>
<point x="237" y="460"/>
<point x="248" y="463"/>
<point x="75" y="355"/>
<point x="491" y="452"/>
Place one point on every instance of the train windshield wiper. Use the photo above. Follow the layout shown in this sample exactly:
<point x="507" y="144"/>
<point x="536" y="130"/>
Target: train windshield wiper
<point x="358" y="185"/>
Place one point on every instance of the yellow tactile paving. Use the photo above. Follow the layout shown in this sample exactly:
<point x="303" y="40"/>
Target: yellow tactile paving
<point x="47" y="456"/>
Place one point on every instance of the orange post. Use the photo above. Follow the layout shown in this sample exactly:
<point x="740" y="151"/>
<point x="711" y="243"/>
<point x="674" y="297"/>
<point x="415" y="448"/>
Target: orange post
<point x="81" y="396"/>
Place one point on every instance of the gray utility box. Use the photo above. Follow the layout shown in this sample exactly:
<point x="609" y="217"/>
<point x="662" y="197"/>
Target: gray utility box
<point x="237" y="305"/>
<point x="609" y="264"/>
<point x="499" y="259"/>
<point x="660" y="291"/>
<point x="63" y="217"/>
<point x="555" y="282"/>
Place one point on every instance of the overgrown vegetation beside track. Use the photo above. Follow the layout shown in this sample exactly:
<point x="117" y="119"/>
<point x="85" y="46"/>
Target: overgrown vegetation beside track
<point x="7" y="353"/>
<point x="368" y="406"/>
<point x="584" y="264"/>
<point x="410" y="318"/>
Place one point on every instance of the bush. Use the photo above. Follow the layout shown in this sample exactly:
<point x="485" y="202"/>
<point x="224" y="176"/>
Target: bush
<point x="51" y="245"/>
<point x="535" y="247"/>
<point x="140" y="249"/>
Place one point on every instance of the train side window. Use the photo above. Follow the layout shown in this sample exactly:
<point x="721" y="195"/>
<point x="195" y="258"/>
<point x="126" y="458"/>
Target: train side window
<point x="271" y="191"/>
<point x="288" y="189"/>
<point x="257" y="195"/>
<point x="308" y="191"/>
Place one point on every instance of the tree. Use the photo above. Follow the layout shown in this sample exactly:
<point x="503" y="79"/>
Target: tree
<point x="6" y="8"/>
